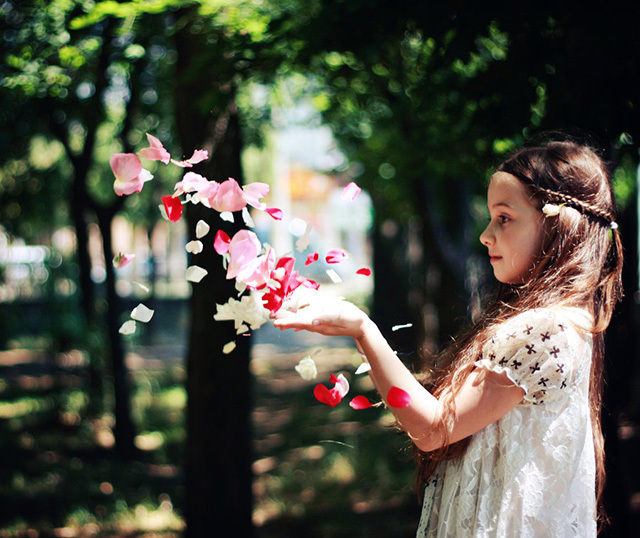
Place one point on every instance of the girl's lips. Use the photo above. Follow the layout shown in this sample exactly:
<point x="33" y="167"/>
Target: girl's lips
<point x="494" y="258"/>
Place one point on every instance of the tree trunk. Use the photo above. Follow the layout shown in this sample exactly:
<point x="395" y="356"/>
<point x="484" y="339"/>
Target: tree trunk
<point x="218" y="459"/>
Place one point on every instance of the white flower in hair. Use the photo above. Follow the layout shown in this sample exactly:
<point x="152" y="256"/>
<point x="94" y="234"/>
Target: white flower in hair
<point x="551" y="210"/>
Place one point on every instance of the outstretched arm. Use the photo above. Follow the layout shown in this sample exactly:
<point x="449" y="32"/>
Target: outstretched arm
<point x="484" y="398"/>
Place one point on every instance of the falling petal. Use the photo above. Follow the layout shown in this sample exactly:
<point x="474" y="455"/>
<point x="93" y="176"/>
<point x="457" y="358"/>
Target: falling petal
<point x="194" y="247"/>
<point x="364" y="271"/>
<point x="246" y="216"/>
<point x="142" y="313"/>
<point x="363" y="368"/>
<point x="163" y="212"/>
<point x="307" y="368"/>
<point x="274" y="212"/>
<point x="335" y="277"/>
<point x="202" y="229"/>
<point x="335" y="255"/>
<point x="226" y="216"/>
<point x="350" y="191"/>
<point x="173" y="207"/>
<point x="327" y="396"/>
<point x="121" y="260"/>
<point x="198" y="156"/>
<point x="155" y="151"/>
<point x="129" y="174"/>
<point x="221" y="242"/>
<point x="311" y="258"/>
<point x="398" y="397"/>
<point x="398" y="327"/>
<point x="142" y="287"/>
<point x="228" y="197"/>
<point x="229" y="347"/>
<point x="128" y="327"/>
<point x="253" y="192"/>
<point x="302" y="243"/>
<point x="360" y="402"/>
<point x="195" y="273"/>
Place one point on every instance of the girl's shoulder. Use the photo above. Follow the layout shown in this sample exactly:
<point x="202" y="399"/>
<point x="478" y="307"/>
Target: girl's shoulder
<point x="553" y="319"/>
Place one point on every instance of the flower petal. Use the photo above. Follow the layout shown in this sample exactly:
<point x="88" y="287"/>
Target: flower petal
<point x="335" y="255"/>
<point x="253" y="192"/>
<point x="173" y="207"/>
<point x="364" y="271"/>
<point x="194" y="247"/>
<point x="229" y="347"/>
<point x="202" y="229"/>
<point x="246" y="216"/>
<point x="364" y="367"/>
<point x="335" y="277"/>
<point x="274" y="213"/>
<point x="327" y="396"/>
<point x="155" y="151"/>
<point x="307" y="368"/>
<point x="228" y="197"/>
<point x="195" y="273"/>
<point x="360" y="402"/>
<point x="128" y="327"/>
<point x="227" y="216"/>
<point x="350" y="191"/>
<point x="142" y="313"/>
<point x="398" y="327"/>
<point x="311" y="258"/>
<point x="121" y="260"/>
<point x="221" y="242"/>
<point x="398" y="397"/>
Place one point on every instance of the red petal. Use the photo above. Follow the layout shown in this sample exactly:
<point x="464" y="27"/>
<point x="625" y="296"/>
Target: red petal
<point x="326" y="396"/>
<point x="398" y="397"/>
<point x="364" y="271"/>
<point x="333" y="378"/>
<point x="310" y="284"/>
<point x="221" y="242"/>
<point x="173" y="207"/>
<point x="312" y="258"/>
<point x="360" y="402"/>
<point x="274" y="212"/>
<point x="335" y="255"/>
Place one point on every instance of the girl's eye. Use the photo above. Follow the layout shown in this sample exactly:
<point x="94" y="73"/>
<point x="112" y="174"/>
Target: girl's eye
<point x="503" y="219"/>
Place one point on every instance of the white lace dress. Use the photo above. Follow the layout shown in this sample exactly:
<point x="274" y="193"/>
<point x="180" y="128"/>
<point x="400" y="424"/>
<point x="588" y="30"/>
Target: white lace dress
<point x="531" y="473"/>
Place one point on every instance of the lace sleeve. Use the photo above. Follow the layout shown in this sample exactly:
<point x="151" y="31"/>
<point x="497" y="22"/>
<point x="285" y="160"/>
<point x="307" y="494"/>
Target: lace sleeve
<point x="534" y="350"/>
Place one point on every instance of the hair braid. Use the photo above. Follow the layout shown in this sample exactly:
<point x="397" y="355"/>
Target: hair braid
<point x="579" y="205"/>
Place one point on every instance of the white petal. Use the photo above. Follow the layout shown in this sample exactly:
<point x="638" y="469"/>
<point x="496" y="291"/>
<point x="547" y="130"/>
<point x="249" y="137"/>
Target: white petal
<point x="227" y="215"/>
<point x="142" y="313"/>
<point x="246" y="216"/>
<point x="202" y="229"/>
<point x="242" y="329"/>
<point x="142" y="287"/>
<point x="307" y="368"/>
<point x="364" y="367"/>
<point x="398" y="327"/>
<point x="194" y="247"/>
<point x="229" y="347"/>
<point x="195" y="273"/>
<point x="163" y="212"/>
<point x="335" y="277"/>
<point x="128" y="327"/>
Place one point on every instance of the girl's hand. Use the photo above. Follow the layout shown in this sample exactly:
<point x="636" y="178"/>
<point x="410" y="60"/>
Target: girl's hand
<point x="337" y="318"/>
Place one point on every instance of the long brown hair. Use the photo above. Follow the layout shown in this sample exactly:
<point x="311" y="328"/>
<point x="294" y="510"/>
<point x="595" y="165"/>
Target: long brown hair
<point x="580" y="264"/>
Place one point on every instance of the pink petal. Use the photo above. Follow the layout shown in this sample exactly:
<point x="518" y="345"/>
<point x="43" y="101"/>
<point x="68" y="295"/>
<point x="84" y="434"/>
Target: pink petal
<point x="335" y="256"/>
<point x="173" y="207"/>
<point x="253" y="192"/>
<point x="125" y="166"/>
<point x="221" y="242"/>
<point x="243" y="250"/>
<point x="155" y="151"/>
<point x="360" y="402"/>
<point x="198" y="156"/>
<point x="122" y="260"/>
<point x="307" y="282"/>
<point x="364" y="271"/>
<point x="311" y="258"/>
<point x="274" y="212"/>
<point x="350" y="191"/>
<point x="398" y="397"/>
<point x="228" y="197"/>
<point x="194" y="182"/>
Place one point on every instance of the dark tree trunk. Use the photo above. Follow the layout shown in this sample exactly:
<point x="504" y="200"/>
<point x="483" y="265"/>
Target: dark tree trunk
<point x="218" y="459"/>
<point x="124" y="431"/>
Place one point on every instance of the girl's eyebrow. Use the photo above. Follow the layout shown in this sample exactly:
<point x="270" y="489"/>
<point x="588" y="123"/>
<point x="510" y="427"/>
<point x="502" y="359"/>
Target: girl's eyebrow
<point x="502" y="204"/>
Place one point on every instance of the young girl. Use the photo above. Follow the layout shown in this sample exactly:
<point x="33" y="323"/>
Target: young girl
<point x="508" y="438"/>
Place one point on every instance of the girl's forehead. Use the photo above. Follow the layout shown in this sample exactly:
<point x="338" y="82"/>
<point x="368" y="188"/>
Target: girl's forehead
<point x="506" y="189"/>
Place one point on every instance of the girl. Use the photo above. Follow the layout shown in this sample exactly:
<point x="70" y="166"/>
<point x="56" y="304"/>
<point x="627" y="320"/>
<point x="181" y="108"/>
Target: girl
<point x="508" y="439"/>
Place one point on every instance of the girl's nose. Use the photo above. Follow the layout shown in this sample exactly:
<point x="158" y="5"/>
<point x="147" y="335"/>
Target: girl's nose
<point x="486" y="237"/>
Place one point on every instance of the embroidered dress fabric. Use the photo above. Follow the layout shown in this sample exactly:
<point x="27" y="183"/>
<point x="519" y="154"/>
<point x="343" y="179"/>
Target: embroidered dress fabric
<point x="531" y="473"/>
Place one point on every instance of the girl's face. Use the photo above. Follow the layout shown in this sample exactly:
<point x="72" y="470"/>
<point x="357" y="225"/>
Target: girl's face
<point x="514" y="235"/>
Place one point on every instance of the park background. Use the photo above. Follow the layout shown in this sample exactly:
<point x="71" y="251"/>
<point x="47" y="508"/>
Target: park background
<point x="162" y="434"/>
